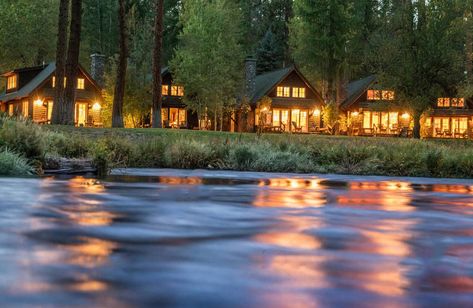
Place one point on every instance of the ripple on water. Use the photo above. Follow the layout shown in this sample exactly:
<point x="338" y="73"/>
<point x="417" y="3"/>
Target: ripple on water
<point x="235" y="239"/>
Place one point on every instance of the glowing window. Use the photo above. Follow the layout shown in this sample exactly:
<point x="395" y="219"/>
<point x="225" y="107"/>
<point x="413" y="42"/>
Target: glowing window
<point x="11" y="82"/>
<point x="177" y="91"/>
<point x="298" y="92"/>
<point x="283" y="91"/>
<point x="80" y="83"/>
<point x="54" y="82"/>
<point x="165" y="90"/>
<point x="457" y="102"/>
<point x="377" y="95"/>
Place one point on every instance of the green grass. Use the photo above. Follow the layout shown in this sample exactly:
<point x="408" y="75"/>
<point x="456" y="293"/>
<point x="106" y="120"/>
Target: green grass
<point x="164" y="148"/>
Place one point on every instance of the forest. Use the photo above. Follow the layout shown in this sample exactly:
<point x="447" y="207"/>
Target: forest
<point x="422" y="49"/>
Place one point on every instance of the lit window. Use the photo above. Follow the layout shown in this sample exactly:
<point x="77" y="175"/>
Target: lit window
<point x="54" y="82"/>
<point x="458" y="102"/>
<point x="11" y="82"/>
<point x="377" y="95"/>
<point x="80" y="83"/>
<point x="443" y="102"/>
<point x="165" y="90"/>
<point x="177" y="91"/>
<point x="298" y="92"/>
<point x="24" y="108"/>
<point x="388" y="95"/>
<point x="283" y="91"/>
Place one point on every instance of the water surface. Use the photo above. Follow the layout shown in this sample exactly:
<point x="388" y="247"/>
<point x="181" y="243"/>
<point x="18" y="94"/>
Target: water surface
<point x="201" y="238"/>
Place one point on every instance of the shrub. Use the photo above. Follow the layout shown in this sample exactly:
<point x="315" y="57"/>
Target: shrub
<point x="12" y="164"/>
<point x="22" y="136"/>
<point x="241" y="157"/>
<point x="148" y="154"/>
<point x="189" y="155"/>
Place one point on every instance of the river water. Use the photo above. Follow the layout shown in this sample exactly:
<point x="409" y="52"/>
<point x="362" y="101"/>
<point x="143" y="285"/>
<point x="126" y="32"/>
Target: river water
<point x="229" y="239"/>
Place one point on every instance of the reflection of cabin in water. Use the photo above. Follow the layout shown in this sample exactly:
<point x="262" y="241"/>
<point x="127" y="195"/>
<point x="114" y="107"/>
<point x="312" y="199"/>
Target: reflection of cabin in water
<point x="295" y="105"/>
<point x="30" y="93"/>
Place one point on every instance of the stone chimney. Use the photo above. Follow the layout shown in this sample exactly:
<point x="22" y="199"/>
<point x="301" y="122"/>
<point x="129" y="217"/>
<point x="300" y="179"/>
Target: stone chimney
<point x="97" y="68"/>
<point x="250" y="77"/>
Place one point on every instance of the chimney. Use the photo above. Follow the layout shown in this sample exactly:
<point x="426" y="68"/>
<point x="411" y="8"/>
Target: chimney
<point x="250" y="77"/>
<point x="97" y="68"/>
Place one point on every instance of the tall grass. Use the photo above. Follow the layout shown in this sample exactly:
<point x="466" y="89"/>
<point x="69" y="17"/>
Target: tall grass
<point x="150" y="148"/>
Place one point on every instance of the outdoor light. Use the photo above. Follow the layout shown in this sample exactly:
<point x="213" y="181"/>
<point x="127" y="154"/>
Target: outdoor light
<point x="355" y="114"/>
<point x="38" y="102"/>
<point x="96" y="107"/>
<point x="316" y="112"/>
<point x="405" y="116"/>
<point x="265" y="109"/>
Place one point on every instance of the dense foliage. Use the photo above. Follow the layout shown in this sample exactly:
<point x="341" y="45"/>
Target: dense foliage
<point x="423" y="49"/>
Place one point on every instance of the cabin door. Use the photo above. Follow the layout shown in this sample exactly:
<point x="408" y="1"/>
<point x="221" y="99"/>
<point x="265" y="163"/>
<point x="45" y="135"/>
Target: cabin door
<point x="82" y="114"/>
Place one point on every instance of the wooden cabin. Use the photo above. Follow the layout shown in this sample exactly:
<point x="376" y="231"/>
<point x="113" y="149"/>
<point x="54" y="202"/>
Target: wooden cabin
<point x="30" y="92"/>
<point x="371" y="110"/>
<point x="450" y="117"/>
<point x="295" y="105"/>
<point x="174" y="113"/>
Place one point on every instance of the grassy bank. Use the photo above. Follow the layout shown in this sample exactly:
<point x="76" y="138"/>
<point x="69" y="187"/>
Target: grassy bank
<point x="26" y="148"/>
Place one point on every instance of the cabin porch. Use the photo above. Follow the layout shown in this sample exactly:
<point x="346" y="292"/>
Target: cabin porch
<point x="293" y="120"/>
<point x="379" y="123"/>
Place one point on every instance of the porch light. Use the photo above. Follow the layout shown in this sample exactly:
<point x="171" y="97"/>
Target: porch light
<point x="405" y="116"/>
<point x="38" y="102"/>
<point x="355" y="114"/>
<point x="317" y="112"/>
<point x="264" y="109"/>
<point x="96" y="107"/>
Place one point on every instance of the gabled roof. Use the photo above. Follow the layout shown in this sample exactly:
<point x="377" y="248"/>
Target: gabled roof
<point x="268" y="81"/>
<point x="355" y="89"/>
<point x="37" y="81"/>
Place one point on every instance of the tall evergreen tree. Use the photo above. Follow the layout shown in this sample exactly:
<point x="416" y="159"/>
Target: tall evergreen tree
<point x="60" y="61"/>
<point x="72" y="63"/>
<point x="320" y="32"/>
<point x="157" y="60"/>
<point x="269" y="54"/>
<point x="120" y="81"/>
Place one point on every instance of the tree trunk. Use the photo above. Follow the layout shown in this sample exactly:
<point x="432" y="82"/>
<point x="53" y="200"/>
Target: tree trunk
<point x="61" y="49"/>
<point x="72" y="63"/>
<point x="416" y="131"/>
<point x="119" y="93"/>
<point x="157" y="54"/>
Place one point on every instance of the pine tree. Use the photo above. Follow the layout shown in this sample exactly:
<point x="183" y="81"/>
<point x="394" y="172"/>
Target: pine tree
<point x="269" y="54"/>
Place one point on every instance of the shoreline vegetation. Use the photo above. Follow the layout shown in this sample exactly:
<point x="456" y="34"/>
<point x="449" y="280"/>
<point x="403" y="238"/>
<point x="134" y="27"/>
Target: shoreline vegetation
<point x="29" y="149"/>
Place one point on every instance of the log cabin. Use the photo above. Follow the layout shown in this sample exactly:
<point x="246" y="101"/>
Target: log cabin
<point x="372" y="111"/>
<point x="175" y="113"/>
<point x="295" y="104"/>
<point x="29" y="92"/>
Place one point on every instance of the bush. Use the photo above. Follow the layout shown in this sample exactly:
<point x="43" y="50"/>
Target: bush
<point x="185" y="154"/>
<point x="148" y="154"/>
<point x="22" y="136"/>
<point x="12" y="164"/>
<point x="241" y="157"/>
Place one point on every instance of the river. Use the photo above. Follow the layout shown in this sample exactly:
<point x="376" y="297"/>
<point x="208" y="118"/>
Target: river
<point x="233" y="239"/>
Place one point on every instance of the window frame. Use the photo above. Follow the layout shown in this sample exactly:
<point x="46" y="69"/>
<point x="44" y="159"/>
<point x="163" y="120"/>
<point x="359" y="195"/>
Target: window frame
<point x="12" y="82"/>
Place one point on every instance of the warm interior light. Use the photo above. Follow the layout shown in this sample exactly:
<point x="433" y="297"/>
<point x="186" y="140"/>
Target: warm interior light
<point x="96" y="107"/>
<point x="38" y="102"/>
<point x="316" y="112"/>
<point x="405" y="116"/>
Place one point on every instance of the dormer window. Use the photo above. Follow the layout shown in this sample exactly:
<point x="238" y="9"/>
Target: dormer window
<point x="54" y="82"/>
<point x="165" y="90"/>
<point x="298" y="92"/>
<point x="283" y="91"/>
<point x="446" y="102"/>
<point x="12" y="82"/>
<point x="177" y="91"/>
<point x="378" y="95"/>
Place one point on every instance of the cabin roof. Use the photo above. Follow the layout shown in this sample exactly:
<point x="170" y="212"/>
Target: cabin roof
<point x="45" y="72"/>
<point x="355" y="89"/>
<point x="266" y="82"/>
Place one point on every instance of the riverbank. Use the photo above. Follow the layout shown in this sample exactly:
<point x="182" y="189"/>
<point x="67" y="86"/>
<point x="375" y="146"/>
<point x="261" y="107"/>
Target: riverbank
<point x="28" y="149"/>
